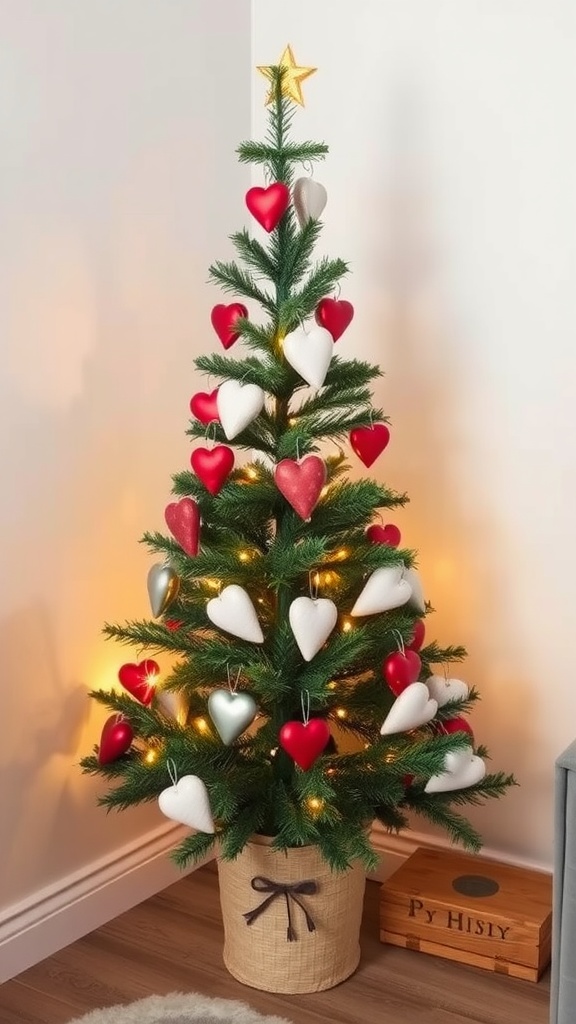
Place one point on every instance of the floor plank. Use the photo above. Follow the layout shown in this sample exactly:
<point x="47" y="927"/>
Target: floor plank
<point x="173" y="942"/>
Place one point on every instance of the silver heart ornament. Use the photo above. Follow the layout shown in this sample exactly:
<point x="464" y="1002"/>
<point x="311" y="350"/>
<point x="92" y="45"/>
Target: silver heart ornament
<point x="231" y="713"/>
<point x="163" y="586"/>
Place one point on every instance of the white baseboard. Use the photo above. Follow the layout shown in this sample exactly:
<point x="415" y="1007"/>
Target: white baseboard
<point x="61" y="913"/>
<point x="394" y="849"/>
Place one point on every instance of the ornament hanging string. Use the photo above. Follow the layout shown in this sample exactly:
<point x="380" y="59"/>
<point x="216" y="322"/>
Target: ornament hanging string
<point x="399" y="640"/>
<point x="172" y="771"/>
<point x="313" y="584"/>
<point x="305" y="704"/>
<point x="233" y="686"/>
<point x="291" y="891"/>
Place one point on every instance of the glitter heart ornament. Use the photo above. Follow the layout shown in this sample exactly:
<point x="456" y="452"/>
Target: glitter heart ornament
<point x="183" y="520"/>
<point x="301" y="483"/>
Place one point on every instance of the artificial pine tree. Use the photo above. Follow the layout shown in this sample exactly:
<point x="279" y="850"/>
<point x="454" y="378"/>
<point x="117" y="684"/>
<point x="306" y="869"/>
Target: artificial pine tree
<point x="295" y="620"/>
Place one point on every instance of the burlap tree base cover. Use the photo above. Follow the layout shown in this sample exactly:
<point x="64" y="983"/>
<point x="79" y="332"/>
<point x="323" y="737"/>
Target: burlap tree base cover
<point x="290" y="923"/>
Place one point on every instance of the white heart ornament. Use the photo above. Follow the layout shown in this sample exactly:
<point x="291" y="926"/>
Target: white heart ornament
<point x="385" y="589"/>
<point x="311" y="622"/>
<point x="412" y="708"/>
<point x="309" y="198"/>
<point x="238" y="405"/>
<point x="234" y="612"/>
<point x="462" y="768"/>
<point x="444" y="690"/>
<point x="231" y="713"/>
<point x="187" y="802"/>
<point x="309" y="354"/>
<point x="417" y="596"/>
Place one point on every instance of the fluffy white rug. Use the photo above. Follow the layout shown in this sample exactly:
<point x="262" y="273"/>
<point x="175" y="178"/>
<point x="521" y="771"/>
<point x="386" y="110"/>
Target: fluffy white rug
<point x="178" y="1008"/>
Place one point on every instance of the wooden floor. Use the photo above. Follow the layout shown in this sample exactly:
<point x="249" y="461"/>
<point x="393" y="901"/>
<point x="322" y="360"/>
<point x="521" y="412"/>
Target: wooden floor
<point x="173" y="943"/>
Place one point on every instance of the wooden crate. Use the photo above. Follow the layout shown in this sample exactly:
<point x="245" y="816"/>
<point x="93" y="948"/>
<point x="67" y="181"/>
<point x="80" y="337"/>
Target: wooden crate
<point x="469" y="909"/>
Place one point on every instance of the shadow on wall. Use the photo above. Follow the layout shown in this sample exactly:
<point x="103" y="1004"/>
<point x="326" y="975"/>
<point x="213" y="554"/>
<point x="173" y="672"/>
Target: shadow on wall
<point x="436" y="455"/>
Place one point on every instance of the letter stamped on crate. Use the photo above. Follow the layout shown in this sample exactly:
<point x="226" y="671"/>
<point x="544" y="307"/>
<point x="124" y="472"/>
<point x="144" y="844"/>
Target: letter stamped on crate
<point x="456" y="920"/>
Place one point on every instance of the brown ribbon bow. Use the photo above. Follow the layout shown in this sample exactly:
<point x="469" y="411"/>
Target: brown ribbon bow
<point x="289" y="892"/>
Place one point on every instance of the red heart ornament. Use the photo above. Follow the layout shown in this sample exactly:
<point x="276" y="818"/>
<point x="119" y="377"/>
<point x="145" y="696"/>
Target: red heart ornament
<point x="173" y="624"/>
<point x="369" y="442"/>
<point x="212" y="466"/>
<point x="183" y="520"/>
<point x="419" y="634"/>
<point x="268" y="205"/>
<point x="140" y="679"/>
<point x="388" y="534"/>
<point x="401" y="669"/>
<point x="304" y="742"/>
<point x="301" y="483"/>
<point x="452" y="725"/>
<point x="335" y="315"/>
<point x="117" y="735"/>
<point x="224" y="320"/>
<point x="204" y="406"/>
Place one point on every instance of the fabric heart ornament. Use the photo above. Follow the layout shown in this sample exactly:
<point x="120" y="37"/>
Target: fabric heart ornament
<point x="311" y="622"/>
<point x="234" y="612"/>
<point x="414" y="707"/>
<point x="268" y="205"/>
<point x="231" y="713"/>
<point x="115" y="739"/>
<point x="212" y="466"/>
<point x="309" y="354"/>
<point x="388" y="534"/>
<point x="419" y="634"/>
<point x="462" y="768"/>
<point x="444" y="690"/>
<point x="417" y="598"/>
<point x="140" y="679"/>
<point x="204" y="407"/>
<point x="225" y="321"/>
<point x="238" y="404"/>
<point x="187" y="803"/>
<point x="400" y="669"/>
<point x="309" y="199"/>
<point x="385" y="589"/>
<point x="183" y="520"/>
<point x="163" y="588"/>
<point x="369" y="442"/>
<point x="304" y="742"/>
<point x="335" y="315"/>
<point x="301" y="483"/>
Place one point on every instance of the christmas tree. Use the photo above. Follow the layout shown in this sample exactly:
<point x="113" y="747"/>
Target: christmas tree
<point x="302" y="702"/>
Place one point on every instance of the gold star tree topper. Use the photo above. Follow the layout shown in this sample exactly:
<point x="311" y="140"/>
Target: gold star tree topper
<point x="291" y="79"/>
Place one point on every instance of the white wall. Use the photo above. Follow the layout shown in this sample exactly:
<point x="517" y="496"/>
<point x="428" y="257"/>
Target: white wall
<point x="451" y="192"/>
<point x="118" y="186"/>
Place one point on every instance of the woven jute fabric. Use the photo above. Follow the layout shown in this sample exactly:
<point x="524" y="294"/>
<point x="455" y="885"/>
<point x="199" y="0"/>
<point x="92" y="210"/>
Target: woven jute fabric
<point x="259" y="954"/>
